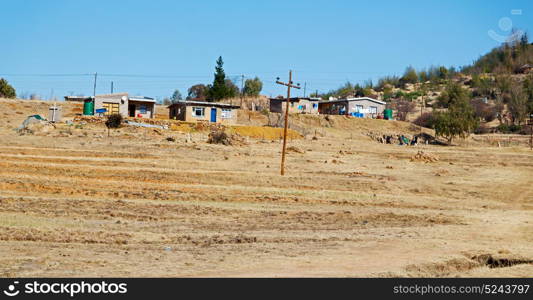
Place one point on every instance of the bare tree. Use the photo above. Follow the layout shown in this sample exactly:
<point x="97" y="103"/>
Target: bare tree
<point x="402" y="108"/>
<point x="517" y="104"/>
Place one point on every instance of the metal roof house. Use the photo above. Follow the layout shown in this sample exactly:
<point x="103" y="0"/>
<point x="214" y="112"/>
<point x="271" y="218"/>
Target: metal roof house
<point x="122" y="103"/>
<point x="525" y="69"/>
<point x="359" y="107"/>
<point x="200" y="111"/>
<point x="141" y="107"/>
<point x="297" y="105"/>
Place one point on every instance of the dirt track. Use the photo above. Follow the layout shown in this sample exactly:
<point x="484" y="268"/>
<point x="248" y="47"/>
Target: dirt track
<point x="97" y="206"/>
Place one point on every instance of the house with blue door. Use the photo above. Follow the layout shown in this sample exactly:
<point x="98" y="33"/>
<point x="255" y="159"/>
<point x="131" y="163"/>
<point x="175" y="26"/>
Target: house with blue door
<point x="200" y="111"/>
<point x="297" y="105"/>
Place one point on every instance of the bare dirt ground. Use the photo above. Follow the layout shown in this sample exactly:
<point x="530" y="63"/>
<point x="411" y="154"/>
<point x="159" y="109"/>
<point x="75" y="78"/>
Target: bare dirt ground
<point x="75" y="203"/>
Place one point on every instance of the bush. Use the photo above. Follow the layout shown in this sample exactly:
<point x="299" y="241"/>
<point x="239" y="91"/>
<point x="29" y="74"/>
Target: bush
<point x="483" y="110"/>
<point x="113" y="121"/>
<point x="402" y="108"/>
<point x="482" y="129"/>
<point x="504" y="128"/>
<point x="515" y="128"/>
<point x="218" y="136"/>
<point x="453" y="93"/>
<point x="425" y="120"/>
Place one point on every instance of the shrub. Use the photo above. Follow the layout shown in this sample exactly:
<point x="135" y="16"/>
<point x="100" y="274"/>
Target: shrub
<point x="219" y="136"/>
<point x="453" y="93"/>
<point x="402" y="108"/>
<point x="482" y="129"/>
<point x="513" y="128"/>
<point x="483" y="110"/>
<point x="113" y="121"/>
<point x="425" y="120"/>
<point x="503" y="128"/>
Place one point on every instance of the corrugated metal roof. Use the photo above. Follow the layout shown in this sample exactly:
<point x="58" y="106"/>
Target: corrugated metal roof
<point x="293" y="99"/>
<point x="141" y="99"/>
<point x="354" y="99"/>
<point x="203" y="103"/>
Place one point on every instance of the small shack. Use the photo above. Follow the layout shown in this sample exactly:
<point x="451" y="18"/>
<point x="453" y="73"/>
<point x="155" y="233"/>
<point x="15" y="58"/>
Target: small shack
<point x="120" y="103"/>
<point x="525" y="69"/>
<point x="364" y="107"/>
<point x="141" y="107"/>
<point x="197" y="111"/>
<point x="297" y="105"/>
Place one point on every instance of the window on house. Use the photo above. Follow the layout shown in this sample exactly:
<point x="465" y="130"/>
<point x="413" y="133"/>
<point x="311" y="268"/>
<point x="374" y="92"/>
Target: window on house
<point x="142" y="108"/>
<point x="358" y="108"/>
<point x="226" y="113"/>
<point x="315" y="105"/>
<point x="198" y="111"/>
<point x="373" y="109"/>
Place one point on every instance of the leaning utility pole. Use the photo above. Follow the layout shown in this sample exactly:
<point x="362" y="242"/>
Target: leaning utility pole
<point x="422" y="111"/>
<point x="531" y="131"/>
<point x="289" y="85"/>
<point x="242" y="89"/>
<point x="94" y="88"/>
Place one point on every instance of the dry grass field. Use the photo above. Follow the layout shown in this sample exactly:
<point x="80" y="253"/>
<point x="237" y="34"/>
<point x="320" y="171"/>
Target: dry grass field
<point x="76" y="203"/>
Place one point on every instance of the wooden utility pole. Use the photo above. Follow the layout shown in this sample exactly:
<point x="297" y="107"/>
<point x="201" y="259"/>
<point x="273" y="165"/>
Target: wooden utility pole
<point x="242" y="89"/>
<point x="111" y="87"/>
<point x="289" y="85"/>
<point x="305" y="88"/>
<point x="94" y="88"/>
<point x="531" y="132"/>
<point x="422" y="111"/>
<point x="422" y="107"/>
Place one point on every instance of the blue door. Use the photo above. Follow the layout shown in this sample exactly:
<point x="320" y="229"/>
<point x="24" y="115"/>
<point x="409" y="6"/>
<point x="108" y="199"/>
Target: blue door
<point x="213" y="114"/>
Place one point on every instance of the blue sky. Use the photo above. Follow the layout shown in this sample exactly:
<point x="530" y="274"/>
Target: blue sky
<point x="153" y="47"/>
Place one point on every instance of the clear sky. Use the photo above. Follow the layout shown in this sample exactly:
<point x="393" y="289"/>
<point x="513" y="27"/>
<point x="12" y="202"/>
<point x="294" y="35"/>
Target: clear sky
<point x="153" y="47"/>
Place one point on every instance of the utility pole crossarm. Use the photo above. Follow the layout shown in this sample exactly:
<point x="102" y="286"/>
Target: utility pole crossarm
<point x="288" y="84"/>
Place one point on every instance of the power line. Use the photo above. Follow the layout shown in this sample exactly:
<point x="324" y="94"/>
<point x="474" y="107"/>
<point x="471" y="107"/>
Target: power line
<point x="46" y="75"/>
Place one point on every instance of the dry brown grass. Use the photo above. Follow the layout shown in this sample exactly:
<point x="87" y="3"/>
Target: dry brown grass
<point x="137" y="204"/>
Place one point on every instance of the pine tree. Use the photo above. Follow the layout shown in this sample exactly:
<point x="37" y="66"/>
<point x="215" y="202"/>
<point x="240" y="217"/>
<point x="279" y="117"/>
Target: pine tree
<point x="410" y="76"/>
<point x="6" y="90"/>
<point x="219" y="90"/>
